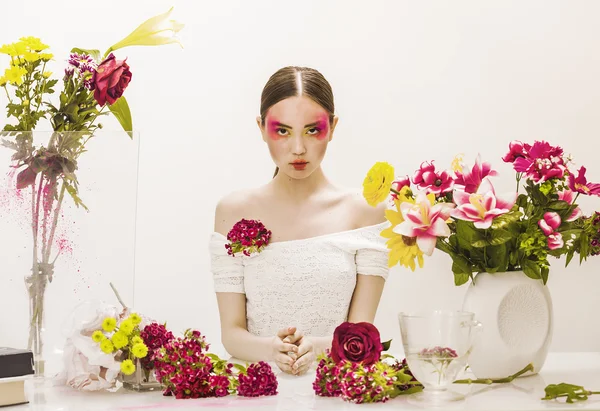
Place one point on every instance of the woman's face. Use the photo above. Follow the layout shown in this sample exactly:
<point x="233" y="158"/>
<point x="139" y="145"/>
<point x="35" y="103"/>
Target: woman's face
<point x="297" y="131"/>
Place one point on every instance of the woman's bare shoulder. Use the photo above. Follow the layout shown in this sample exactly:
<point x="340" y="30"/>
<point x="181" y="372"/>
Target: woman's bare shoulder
<point x="366" y="215"/>
<point x="233" y="207"/>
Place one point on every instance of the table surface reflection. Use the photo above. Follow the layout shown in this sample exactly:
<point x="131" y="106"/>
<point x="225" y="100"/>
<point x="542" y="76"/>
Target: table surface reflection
<point x="295" y="393"/>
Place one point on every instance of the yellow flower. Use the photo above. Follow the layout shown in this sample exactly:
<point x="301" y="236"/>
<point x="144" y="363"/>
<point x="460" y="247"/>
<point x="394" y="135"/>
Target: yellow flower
<point x="403" y="250"/>
<point x="14" y="49"/>
<point x="3" y="81"/>
<point x="34" y="43"/>
<point x="107" y="346"/>
<point x="155" y="31"/>
<point x="377" y="183"/>
<point x="135" y="318"/>
<point x="126" y="326"/>
<point x="139" y="350"/>
<point x="109" y="324"/>
<point x="32" y="57"/>
<point x="14" y="75"/>
<point x="119" y="339"/>
<point x="127" y="367"/>
<point x="47" y="74"/>
<point x="46" y="56"/>
<point x="97" y="336"/>
<point x="457" y="163"/>
<point x="137" y="340"/>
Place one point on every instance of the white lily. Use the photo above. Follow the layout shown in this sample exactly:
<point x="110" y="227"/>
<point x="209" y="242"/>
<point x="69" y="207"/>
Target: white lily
<point x="155" y="31"/>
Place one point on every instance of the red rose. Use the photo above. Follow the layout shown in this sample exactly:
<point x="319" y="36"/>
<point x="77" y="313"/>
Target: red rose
<point x="110" y="80"/>
<point x="358" y="342"/>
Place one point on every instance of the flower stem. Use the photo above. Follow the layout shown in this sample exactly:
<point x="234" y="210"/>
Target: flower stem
<point x="496" y="381"/>
<point x="46" y="257"/>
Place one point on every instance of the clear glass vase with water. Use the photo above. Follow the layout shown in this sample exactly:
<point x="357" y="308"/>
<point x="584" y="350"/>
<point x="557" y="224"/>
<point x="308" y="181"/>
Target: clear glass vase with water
<point x="437" y="345"/>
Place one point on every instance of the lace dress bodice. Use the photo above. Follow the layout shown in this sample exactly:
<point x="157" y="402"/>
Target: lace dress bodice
<point x="307" y="283"/>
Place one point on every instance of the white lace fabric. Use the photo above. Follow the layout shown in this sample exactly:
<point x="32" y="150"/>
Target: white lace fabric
<point x="307" y="283"/>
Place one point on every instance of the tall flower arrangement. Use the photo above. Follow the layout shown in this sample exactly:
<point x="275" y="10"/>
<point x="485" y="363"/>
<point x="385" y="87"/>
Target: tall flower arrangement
<point x="459" y="212"/>
<point x="93" y="85"/>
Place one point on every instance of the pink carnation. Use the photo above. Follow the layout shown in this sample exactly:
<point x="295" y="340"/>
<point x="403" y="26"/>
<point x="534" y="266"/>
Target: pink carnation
<point x="542" y="162"/>
<point x="247" y="236"/>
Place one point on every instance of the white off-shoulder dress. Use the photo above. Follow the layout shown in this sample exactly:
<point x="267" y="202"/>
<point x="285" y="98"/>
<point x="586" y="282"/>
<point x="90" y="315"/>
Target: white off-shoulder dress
<point x="307" y="283"/>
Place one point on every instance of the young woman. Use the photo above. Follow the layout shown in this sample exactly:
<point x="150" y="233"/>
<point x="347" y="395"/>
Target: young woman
<point x="326" y="262"/>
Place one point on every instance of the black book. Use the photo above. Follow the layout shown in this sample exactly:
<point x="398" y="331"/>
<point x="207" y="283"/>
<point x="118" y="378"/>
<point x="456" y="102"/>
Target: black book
<point x="15" y="362"/>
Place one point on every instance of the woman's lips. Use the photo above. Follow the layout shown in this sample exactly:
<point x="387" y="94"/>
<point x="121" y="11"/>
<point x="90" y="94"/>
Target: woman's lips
<point x="299" y="164"/>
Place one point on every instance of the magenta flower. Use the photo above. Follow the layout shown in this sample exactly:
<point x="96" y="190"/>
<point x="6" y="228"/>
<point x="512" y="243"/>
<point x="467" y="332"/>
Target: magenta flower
<point x="470" y="180"/>
<point x="542" y="163"/>
<point x="258" y="380"/>
<point x="432" y="182"/>
<point x="424" y="220"/>
<point x="550" y="223"/>
<point x="569" y="197"/>
<point x="580" y="184"/>
<point x="555" y="241"/>
<point x="399" y="185"/>
<point x="483" y="206"/>
<point x="247" y="236"/>
<point x="516" y="149"/>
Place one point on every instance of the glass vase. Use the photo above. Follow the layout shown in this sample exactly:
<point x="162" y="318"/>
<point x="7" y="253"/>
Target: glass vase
<point x="141" y="380"/>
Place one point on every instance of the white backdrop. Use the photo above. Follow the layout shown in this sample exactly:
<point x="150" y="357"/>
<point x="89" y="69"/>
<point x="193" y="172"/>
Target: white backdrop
<point x="413" y="81"/>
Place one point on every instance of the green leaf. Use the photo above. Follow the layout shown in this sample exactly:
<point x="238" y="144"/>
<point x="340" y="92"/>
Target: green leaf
<point x="73" y="193"/>
<point x="386" y="345"/>
<point x="121" y="111"/>
<point x="213" y="357"/>
<point x="460" y="278"/>
<point x="570" y="255"/>
<point x="531" y="269"/>
<point x="239" y="367"/>
<point x="544" y="274"/>
<point x="94" y="53"/>
<point x="558" y="205"/>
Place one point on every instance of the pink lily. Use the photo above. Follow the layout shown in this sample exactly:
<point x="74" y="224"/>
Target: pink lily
<point x="470" y="180"/>
<point x="549" y="223"/>
<point x="555" y="241"/>
<point x="425" y="220"/>
<point x="483" y="206"/>
<point x="580" y="184"/>
<point x="569" y="197"/>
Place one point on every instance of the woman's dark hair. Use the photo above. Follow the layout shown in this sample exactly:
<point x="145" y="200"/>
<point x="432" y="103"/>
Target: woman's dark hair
<point x="284" y="83"/>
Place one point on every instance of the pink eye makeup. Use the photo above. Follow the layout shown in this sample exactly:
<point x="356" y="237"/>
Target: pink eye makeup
<point x="320" y="128"/>
<point x="276" y="130"/>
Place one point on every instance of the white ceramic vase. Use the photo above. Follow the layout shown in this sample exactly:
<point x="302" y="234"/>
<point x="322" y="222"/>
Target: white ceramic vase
<point x="517" y="317"/>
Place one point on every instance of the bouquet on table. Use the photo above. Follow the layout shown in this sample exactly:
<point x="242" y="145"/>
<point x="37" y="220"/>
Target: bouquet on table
<point x="116" y="346"/>
<point x="459" y="212"/>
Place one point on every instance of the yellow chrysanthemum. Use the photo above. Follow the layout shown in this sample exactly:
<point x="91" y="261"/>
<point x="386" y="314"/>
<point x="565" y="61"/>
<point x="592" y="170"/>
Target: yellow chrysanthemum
<point x="403" y="250"/>
<point x="139" y="350"/>
<point x="126" y="327"/>
<point x="14" y="49"/>
<point x="377" y="183"/>
<point x="98" y="336"/>
<point x="14" y="75"/>
<point x="107" y="346"/>
<point x="127" y="367"/>
<point x="119" y="339"/>
<point x="137" y="340"/>
<point x="3" y="81"/>
<point x="109" y="324"/>
<point x="46" y="56"/>
<point x="47" y="74"/>
<point x="33" y="43"/>
<point x="135" y="318"/>
<point x="31" y="57"/>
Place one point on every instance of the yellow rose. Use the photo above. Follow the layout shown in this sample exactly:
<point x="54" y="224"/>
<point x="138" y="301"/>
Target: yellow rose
<point x="377" y="183"/>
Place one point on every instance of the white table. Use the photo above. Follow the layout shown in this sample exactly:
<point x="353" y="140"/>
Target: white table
<point x="295" y="393"/>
